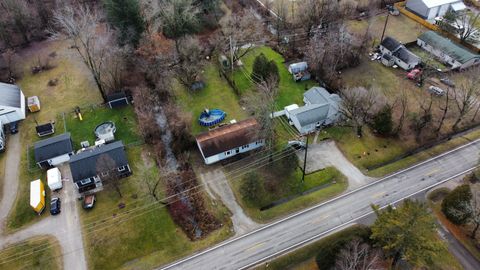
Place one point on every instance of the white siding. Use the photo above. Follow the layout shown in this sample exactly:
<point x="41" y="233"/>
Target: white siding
<point x="59" y="160"/>
<point x="418" y="7"/>
<point x="234" y="152"/>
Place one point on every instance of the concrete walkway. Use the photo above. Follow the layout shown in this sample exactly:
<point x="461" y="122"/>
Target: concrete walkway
<point x="218" y="188"/>
<point x="326" y="154"/>
<point x="65" y="227"/>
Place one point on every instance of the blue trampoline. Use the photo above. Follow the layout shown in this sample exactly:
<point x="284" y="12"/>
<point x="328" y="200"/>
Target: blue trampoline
<point x="210" y="118"/>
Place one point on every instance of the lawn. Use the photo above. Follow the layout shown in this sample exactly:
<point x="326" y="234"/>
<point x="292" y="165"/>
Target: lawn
<point x="289" y="91"/>
<point x="47" y="254"/>
<point x="147" y="237"/>
<point x="124" y="119"/>
<point x="74" y="87"/>
<point x="291" y="186"/>
<point x="216" y="95"/>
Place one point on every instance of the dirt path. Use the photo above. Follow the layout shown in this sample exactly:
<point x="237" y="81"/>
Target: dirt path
<point x="218" y="188"/>
<point x="327" y="154"/>
<point x="65" y="227"/>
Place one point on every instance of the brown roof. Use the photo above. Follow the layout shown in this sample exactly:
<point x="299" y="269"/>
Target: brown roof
<point x="228" y="137"/>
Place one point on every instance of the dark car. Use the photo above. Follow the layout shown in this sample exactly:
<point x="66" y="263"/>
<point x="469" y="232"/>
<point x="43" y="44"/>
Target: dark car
<point x="13" y="127"/>
<point x="55" y="206"/>
<point x="447" y="82"/>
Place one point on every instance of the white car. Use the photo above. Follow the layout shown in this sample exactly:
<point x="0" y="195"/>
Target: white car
<point x="436" y="90"/>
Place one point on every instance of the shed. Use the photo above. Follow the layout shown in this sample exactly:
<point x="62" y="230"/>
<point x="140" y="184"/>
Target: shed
<point x="54" y="179"/>
<point x="430" y="9"/>
<point x="117" y="99"/>
<point x="33" y="104"/>
<point x="53" y="151"/>
<point x="447" y="51"/>
<point x="12" y="103"/>
<point x="45" y="129"/>
<point x="37" y="196"/>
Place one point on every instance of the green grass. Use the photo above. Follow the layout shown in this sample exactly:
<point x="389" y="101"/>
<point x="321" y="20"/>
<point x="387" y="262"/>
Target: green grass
<point x="289" y="91"/>
<point x="309" y="252"/>
<point x="290" y="186"/>
<point x="74" y="88"/>
<point x="150" y="238"/>
<point x="124" y="119"/>
<point x="17" y="257"/>
<point x="216" y="95"/>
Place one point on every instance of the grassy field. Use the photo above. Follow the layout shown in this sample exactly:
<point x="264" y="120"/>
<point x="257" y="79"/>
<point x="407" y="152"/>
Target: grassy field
<point x="74" y="88"/>
<point x="124" y="119"/>
<point x="291" y="186"/>
<point x="46" y="256"/>
<point x="148" y="237"/>
<point x="289" y="91"/>
<point x="216" y="95"/>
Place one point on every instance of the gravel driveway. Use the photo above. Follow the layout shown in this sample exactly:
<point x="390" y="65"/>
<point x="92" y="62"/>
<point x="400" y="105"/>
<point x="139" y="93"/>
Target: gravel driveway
<point x="65" y="227"/>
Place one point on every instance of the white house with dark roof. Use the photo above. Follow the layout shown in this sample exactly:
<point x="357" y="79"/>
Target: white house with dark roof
<point x="12" y="103"/>
<point x="396" y="51"/>
<point x="86" y="171"/>
<point x="430" y="9"/>
<point x="229" y="140"/>
<point x="53" y="151"/>
<point x="321" y="109"/>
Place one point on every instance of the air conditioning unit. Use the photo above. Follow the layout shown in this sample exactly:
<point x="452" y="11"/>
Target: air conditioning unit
<point x="99" y="142"/>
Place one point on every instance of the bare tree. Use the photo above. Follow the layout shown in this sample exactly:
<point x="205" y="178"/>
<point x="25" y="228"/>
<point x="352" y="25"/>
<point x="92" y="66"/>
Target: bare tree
<point x="358" y="105"/>
<point x="317" y="13"/>
<point x="420" y="120"/>
<point x="444" y="110"/>
<point x="191" y="61"/>
<point x="468" y="24"/>
<point x="17" y="12"/>
<point x="465" y="96"/>
<point x="358" y="256"/>
<point x="281" y="20"/>
<point x="239" y="34"/>
<point x="107" y="170"/>
<point x="81" y="26"/>
<point x="403" y="103"/>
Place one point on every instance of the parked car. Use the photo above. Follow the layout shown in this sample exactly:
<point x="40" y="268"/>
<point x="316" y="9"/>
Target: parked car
<point x="414" y="74"/>
<point x="447" y="82"/>
<point x="296" y="144"/>
<point x="55" y="205"/>
<point x="13" y="127"/>
<point x="89" y="201"/>
<point x="436" y="90"/>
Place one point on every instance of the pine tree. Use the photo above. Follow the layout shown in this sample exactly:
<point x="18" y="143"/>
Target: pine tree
<point x="126" y="16"/>
<point x="382" y="121"/>
<point x="454" y="205"/>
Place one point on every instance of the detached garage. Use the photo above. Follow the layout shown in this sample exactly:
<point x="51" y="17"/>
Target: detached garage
<point x="53" y="151"/>
<point x="12" y="103"/>
<point x="430" y="9"/>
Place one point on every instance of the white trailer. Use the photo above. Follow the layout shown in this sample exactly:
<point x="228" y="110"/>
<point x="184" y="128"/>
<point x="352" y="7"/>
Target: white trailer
<point x="54" y="179"/>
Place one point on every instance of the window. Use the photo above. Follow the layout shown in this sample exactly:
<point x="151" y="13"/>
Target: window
<point x="105" y="174"/>
<point x="227" y="153"/>
<point x="122" y="168"/>
<point x="85" y="181"/>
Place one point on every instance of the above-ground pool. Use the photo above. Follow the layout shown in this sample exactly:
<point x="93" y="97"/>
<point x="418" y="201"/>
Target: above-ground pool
<point x="106" y="131"/>
<point x="211" y="117"/>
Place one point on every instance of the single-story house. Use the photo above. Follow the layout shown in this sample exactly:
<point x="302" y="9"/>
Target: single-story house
<point x="53" y="151"/>
<point x="321" y="109"/>
<point x="229" y="140"/>
<point x="396" y="51"/>
<point x="447" y="51"/>
<point x="430" y="9"/>
<point x="87" y="172"/>
<point x="12" y="103"/>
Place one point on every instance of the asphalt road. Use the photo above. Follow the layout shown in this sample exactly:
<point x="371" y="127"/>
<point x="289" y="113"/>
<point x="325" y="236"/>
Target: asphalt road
<point x="308" y="225"/>
<point x="463" y="256"/>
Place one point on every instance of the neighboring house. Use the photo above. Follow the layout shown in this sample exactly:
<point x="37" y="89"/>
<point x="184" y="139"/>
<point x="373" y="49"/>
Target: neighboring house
<point x="229" y="140"/>
<point x="430" y="9"/>
<point x="12" y="103"/>
<point x="395" y="51"/>
<point x="53" y="151"/>
<point x="447" y="51"/>
<point x="84" y="165"/>
<point x="321" y="109"/>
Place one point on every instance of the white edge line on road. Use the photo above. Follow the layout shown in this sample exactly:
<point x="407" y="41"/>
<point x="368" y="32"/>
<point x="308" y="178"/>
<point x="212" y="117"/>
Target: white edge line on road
<point x="315" y="237"/>
<point x="322" y="204"/>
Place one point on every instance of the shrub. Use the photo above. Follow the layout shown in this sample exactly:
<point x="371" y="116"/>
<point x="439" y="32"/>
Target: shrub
<point x="327" y="251"/>
<point x="263" y="69"/>
<point x="382" y="121"/>
<point x="455" y="203"/>
<point x="252" y="188"/>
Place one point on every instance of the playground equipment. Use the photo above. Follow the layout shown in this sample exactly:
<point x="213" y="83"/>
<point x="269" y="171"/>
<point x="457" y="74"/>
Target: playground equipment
<point x="210" y="118"/>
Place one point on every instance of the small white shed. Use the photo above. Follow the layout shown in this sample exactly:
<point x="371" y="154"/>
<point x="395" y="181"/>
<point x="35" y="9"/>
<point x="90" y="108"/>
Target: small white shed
<point x="54" y="179"/>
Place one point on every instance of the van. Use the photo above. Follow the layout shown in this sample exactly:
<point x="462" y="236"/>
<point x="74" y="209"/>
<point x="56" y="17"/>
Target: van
<point x="2" y="138"/>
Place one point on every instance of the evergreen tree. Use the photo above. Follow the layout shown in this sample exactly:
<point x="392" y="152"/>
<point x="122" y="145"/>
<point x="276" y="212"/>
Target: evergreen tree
<point x="455" y="205"/>
<point x="125" y="15"/>
<point x="382" y="121"/>
<point x="407" y="233"/>
<point x="263" y="69"/>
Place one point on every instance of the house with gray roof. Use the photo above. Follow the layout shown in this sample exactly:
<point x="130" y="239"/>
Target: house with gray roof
<point x="89" y="166"/>
<point x="12" y="103"/>
<point x="53" y="151"/>
<point x="395" y="51"/>
<point x="321" y="109"/>
<point x="447" y="51"/>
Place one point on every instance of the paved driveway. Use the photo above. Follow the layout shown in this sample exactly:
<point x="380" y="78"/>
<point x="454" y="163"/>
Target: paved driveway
<point x="327" y="154"/>
<point x="65" y="227"/>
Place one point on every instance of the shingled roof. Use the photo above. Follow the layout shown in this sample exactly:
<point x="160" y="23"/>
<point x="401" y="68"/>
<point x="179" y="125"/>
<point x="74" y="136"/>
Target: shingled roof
<point x="390" y="43"/>
<point x="53" y="147"/>
<point x="450" y="48"/>
<point x="228" y="137"/>
<point x="10" y="95"/>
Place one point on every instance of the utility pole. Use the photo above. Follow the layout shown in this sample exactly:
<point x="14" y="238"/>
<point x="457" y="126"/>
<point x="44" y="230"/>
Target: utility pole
<point x="231" y="56"/>
<point x="305" y="161"/>
<point x="385" y="26"/>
